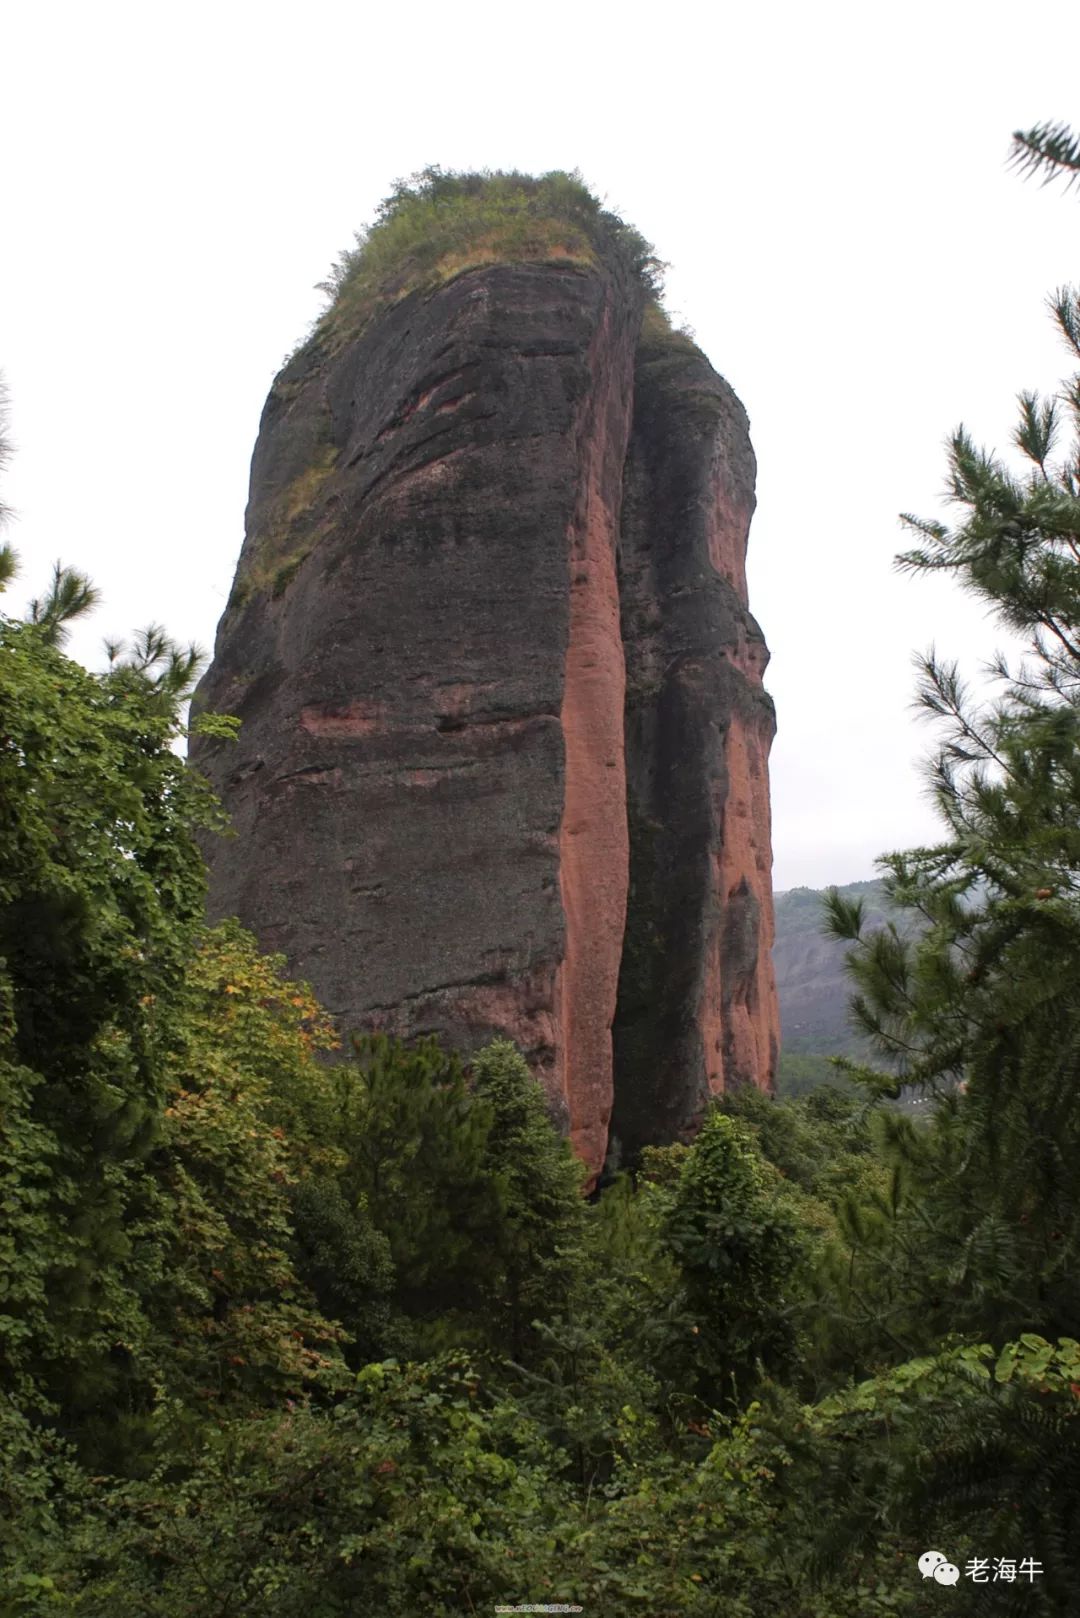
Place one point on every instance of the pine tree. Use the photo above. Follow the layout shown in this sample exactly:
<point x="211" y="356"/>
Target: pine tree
<point x="982" y="1006"/>
<point x="535" y="1243"/>
<point x="736" y="1245"/>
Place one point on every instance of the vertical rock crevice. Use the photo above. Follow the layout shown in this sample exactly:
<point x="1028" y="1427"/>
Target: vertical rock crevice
<point x="593" y="836"/>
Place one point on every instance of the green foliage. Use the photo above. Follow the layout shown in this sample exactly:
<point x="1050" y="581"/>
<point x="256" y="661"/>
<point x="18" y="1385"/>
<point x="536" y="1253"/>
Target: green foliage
<point x="800" y="1073"/>
<point x="437" y="224"/>
<point x="1050" y="149"/>
<point x="420" y="1493"/>
<point x="637" y="1301"/>
<point x="246" y="1015"/>
<point x="822" y="1142"/>
<point x="71" y="595"/>
<point x="144" y="1216"/>
<point x="973" y="1236"/>
<point x="346" y="1262"/>
<point x="240" y="1325"/>
<point x="966" y="1447"/>
<point x="824" y="1147"/>
<point x="285" y="575"/>
<point x="460" y="1179"/>
<point x="412" y="1142"/>
<point x="184" y="1294"/>
<point x="42" y="1487"/>
<point x="736" y="1245"/>
<point x="428" y="1489"/>
<point x="982" y="1007"/>
<point x="531" y="1251"/>
<point x="101" y="891"/>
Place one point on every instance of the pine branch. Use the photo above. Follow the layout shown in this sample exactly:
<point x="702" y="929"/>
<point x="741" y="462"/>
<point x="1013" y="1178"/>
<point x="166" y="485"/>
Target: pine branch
<point x="1052" y="150"/>
<point x="71" y="595"/>
<point x="1065" y="308"/>
<point x="9" y="562"/>
<point x="1037" y="430"/>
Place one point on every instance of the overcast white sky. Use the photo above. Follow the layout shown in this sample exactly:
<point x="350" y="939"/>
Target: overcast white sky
<point x="827" y="183"/>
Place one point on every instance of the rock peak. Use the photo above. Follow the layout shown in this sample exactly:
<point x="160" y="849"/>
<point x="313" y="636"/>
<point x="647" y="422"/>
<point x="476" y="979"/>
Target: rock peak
<point x="503" y="760"/>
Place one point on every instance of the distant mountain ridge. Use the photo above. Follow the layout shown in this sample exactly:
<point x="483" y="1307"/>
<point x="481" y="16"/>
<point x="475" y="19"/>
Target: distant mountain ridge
<point x="813" y="987"/>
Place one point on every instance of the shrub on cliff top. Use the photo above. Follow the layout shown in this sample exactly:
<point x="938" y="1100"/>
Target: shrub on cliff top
<point x="435" y="225"/>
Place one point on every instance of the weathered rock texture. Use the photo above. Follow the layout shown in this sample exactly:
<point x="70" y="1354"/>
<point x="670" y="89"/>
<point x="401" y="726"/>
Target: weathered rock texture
<point x="503" y="753"/>
<point x="697" y="997"/>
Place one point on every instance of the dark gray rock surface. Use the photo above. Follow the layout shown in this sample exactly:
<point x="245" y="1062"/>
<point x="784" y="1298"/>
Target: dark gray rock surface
<point x="697" y="1005"/>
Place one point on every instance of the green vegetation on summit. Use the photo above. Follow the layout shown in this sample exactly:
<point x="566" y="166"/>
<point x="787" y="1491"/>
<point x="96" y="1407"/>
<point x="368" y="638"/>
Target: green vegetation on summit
<point x="432" y="228"/>
<point x="437" y="225"/>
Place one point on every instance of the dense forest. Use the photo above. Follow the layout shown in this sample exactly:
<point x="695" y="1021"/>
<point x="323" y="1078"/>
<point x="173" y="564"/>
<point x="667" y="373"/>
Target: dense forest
<point x="289" y="1329"/>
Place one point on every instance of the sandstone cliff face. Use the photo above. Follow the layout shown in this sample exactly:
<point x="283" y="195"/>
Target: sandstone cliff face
<point x="490" y="649"/>
<point x="697" y="999"/>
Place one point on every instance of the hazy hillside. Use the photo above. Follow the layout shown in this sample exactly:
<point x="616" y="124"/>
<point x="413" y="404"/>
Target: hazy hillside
<point x="813" y="987"/>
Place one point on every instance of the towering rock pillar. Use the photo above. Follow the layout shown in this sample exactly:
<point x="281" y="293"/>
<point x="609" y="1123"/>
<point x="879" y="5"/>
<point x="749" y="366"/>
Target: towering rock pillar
<point x="697" y="997"/>
<point x="425" y="645"/>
